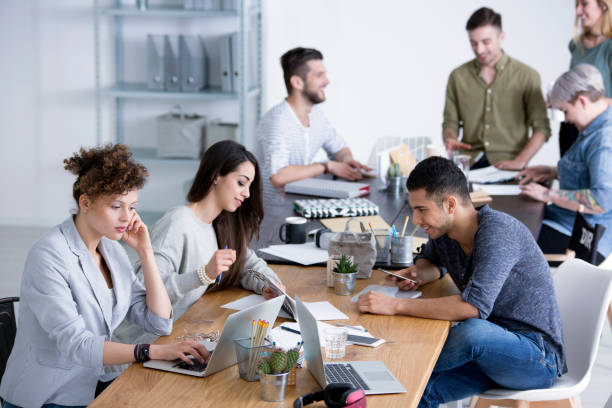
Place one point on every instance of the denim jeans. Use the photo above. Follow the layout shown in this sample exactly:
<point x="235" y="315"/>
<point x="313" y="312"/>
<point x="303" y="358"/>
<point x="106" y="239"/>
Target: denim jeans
<point x="479" y="355"/>
<point x="9" y="405"/>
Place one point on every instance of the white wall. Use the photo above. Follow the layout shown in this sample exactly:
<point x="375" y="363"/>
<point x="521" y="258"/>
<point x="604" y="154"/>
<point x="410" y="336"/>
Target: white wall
<point x="388" y="62"/>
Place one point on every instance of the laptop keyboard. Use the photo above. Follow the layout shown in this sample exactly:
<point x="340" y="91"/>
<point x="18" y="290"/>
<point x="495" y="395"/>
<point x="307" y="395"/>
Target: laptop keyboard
<point x="344" y="373"/>
<point x="197" y="366"/>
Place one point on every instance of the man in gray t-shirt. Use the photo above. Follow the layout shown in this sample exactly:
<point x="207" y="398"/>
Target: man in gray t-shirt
<point x="510" y="332"/>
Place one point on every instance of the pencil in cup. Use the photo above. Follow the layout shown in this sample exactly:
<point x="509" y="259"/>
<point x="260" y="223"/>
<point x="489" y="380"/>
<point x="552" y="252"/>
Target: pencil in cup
<point x="257" y="340"/>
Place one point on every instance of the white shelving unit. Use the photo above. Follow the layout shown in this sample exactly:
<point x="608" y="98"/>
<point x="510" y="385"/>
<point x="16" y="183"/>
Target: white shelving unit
<point x="119" y="90"/>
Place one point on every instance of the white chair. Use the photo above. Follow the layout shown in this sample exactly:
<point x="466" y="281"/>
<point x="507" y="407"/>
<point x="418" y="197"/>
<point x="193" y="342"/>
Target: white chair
<point x="583" y="292"/>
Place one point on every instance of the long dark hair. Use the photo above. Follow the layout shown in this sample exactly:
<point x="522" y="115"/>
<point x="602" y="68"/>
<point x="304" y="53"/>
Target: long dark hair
<point x="232" y="229"/>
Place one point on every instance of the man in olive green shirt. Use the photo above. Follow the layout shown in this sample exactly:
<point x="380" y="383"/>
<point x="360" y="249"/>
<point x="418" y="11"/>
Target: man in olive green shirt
<point x="496" y="100"/>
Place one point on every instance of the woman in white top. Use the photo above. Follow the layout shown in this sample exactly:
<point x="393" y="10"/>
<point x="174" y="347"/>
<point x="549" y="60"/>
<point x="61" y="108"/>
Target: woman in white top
<point x="204" y="246"/>
<point x="78" y="285"/>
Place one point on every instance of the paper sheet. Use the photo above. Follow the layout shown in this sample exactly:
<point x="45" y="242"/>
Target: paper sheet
<point x="286" y="339"/>
<point x="320" y="310"/>
<point x="391" y="291"/>
<point x="499" y="189"/>
<point x="491" y="175"/>
<point x="325" y="311"/>
<point x="303" y="254"/>
<point x="338" y="224"/>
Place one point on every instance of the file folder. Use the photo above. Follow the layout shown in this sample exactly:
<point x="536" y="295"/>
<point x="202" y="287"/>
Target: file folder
<point x="225" y="61"/>
<point x="235" y="62"/>
<point x="171" y="58"/>
<point x="155" y="62"/>
<point x="192" y="63"/>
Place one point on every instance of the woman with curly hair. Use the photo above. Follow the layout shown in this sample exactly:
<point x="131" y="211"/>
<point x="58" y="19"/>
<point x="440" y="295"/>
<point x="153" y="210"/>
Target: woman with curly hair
<point x="78" y="285"/>
<point x="204" y="246"/>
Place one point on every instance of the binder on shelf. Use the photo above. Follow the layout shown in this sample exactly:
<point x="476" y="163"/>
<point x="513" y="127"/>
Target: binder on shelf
<point x="155" y="62"/>
<point x="225" y="61"/>
<point x="192" y="63"/>
<point x="229" y="4"/>
<point x="235" y="62"/>
<point x="171" y="58"/>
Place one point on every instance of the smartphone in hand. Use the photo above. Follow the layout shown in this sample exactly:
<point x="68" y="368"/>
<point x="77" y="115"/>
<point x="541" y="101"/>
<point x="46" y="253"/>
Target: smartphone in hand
<point x="397" y="275"/>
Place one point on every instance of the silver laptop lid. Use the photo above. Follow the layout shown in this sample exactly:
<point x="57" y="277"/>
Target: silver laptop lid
<point x="238" y="325"/>
<point x="312" y="345"/>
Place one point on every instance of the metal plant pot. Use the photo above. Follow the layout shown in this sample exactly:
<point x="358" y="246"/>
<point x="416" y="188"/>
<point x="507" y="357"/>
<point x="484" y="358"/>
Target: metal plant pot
<point x="344" y="283"/>
<point x="273" y="386"/>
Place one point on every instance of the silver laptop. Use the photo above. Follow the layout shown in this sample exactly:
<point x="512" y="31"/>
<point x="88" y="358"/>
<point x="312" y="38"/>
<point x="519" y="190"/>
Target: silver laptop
<point x="371" y="376"/>
<point x="238" y="325"/>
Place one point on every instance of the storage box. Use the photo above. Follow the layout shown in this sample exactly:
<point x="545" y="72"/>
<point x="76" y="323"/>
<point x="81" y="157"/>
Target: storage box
<point x="180" y="135"/>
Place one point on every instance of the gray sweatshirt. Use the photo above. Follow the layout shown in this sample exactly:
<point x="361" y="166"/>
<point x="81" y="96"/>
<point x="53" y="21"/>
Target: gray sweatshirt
<point x="182" y="243"/>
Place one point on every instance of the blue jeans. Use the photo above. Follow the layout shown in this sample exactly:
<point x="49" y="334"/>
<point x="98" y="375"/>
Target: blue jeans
<point x="9" y="405"/>
<point x="479" y="355"/>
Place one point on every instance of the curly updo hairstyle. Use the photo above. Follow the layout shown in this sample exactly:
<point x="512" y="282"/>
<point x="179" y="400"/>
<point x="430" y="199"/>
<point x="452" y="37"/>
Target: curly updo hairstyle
<point x="105" y="170"/>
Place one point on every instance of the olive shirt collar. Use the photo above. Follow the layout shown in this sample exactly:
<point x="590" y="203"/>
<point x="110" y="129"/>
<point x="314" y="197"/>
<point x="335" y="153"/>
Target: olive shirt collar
<point x="501" y="64"/>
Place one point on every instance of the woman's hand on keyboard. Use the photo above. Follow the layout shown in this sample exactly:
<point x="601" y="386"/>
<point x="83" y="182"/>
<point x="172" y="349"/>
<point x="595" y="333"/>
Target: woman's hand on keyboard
<point x="181" y="350"/>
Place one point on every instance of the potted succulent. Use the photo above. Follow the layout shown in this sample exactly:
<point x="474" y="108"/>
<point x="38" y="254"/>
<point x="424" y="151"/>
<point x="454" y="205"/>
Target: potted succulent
<point x="394" y="176"/>
<point x="274" y="372"/>
<point x="345" y="273"/>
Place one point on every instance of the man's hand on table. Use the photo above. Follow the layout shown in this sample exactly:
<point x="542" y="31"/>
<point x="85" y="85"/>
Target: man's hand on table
<point x="377" y="303"/>
<point x="510" y="165"/>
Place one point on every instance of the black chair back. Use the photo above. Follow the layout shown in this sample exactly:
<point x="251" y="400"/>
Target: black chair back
<point x="8" y="330"/>
<point x="585" y="238"/>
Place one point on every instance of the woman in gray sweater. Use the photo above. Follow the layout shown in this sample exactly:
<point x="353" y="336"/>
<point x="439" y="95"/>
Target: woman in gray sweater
<point x="204" y="246"/>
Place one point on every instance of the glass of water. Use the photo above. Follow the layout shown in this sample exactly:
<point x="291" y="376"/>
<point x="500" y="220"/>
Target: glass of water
<point x="463" y="162"/>
<point x="335" y="342"/>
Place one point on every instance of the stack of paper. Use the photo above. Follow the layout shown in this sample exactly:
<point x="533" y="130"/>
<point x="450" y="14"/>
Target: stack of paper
<point x="390" y="291"/>
<point x="303" y="254"/>
<point x="498" y="189"/>
<point x="491" y="175"/>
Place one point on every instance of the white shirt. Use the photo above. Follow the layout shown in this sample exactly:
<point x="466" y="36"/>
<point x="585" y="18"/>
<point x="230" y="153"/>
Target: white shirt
<point x="284" y="141"/>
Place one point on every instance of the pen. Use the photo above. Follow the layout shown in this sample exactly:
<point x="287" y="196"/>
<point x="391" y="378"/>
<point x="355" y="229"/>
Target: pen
<point x="351" y="327"/>
<point x="290" y="330"/>
<point x="220" y="273"/>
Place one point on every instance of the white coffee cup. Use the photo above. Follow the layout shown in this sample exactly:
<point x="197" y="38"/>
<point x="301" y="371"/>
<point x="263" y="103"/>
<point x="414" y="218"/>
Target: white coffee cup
<point x="435" y="150"/>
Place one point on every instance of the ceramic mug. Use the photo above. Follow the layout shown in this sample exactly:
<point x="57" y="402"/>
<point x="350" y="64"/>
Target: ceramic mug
<point x="293" y="231"/>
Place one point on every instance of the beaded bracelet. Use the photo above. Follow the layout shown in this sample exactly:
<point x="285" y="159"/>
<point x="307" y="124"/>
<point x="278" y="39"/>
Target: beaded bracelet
<point x="204" y="279"/>
<point x="141" y="353"/>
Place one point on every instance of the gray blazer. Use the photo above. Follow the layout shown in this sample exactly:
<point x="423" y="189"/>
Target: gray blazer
<point x="66" y="313"/>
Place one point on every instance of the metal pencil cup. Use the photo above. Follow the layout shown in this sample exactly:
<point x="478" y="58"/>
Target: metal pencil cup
<point x="395" y="186"/>
<point x="382" y="237"/>
<point x="248" y="357"/>
<point x="273" y="386"/>
<point x="401" y="250"/>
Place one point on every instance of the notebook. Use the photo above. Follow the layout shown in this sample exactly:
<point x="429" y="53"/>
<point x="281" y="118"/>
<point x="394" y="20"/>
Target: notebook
<point x="371" y="376"/>
<point x="237" y="326"/>
<point x="327" y="188"/>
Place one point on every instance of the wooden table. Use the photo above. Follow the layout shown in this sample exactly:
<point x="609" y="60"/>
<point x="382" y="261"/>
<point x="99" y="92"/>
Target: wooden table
<point x="410" y="352"/>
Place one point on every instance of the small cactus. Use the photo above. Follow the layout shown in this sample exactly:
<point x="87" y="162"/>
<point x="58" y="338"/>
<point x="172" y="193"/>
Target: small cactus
<point x="345" y="266"/>
<point x="264" y="366"/>
<point x="292" y="358"/>
<point x="394" y="170"/>
<point x="278" y="361"/>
